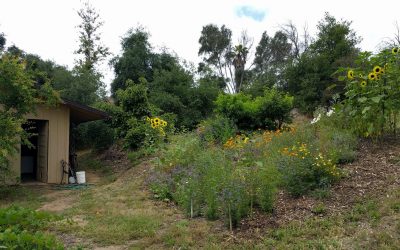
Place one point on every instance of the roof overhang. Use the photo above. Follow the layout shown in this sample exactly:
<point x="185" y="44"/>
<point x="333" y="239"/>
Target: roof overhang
<point x="80" y="113"/>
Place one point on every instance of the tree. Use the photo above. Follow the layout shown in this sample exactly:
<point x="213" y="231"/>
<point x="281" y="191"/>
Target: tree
<point x="2" y="41"/>
<point x="228" y="61"/>
<point x="173" y="90"/>
<point x="136" y="60"/>
<point x="310" y="77"/>
<point x="90" y="46"/>
<point x="18" y="96"/>
<point x="171" y="86"/>
<point x="271" y="57"/>
<point x="92" y="52"/>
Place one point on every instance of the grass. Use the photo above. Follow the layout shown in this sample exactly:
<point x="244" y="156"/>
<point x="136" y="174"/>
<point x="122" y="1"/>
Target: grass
<point x="22" y="196"/>
<point x="89" y="162"/>
<point x="122" y="213"/>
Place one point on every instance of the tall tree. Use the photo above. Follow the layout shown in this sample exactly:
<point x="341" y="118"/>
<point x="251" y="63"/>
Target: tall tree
<point x="136" y="60"/>
<point x="88" y="85"/>
<point x="90" y="47"/>
<point x="271" y="57"/>
<point x="2" y="41"/>
<point x="228" y="61"/>
<point x="310" y="78"/>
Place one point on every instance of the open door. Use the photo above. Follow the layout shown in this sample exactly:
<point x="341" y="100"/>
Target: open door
<point x="42" y="151"/>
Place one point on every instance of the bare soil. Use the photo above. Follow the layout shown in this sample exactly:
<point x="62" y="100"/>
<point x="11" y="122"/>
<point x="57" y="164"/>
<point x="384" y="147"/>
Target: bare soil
<point x="375" y="172"/>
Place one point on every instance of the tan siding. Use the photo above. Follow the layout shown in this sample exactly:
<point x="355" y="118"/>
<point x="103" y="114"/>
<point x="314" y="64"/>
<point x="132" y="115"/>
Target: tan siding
<point x="15" y="167"/>
<point x="58" y="148"/>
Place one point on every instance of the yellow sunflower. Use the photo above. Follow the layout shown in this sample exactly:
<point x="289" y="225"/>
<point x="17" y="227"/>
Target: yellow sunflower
<point x="153" y="125"/>
<point x="157" y="120"/>
<point x="363" y="84"/>
<point x="148" y="119"/>
<point x="395" y="50"/>
<point x="350" y="74"/>
<point x="372" y="76"/>
<point x="377" y="70"/>
<point x="164" y="123"/>
<point x="378" y="77"/>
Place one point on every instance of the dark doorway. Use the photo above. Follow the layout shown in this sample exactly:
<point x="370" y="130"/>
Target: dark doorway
<point x="34" y="156"/>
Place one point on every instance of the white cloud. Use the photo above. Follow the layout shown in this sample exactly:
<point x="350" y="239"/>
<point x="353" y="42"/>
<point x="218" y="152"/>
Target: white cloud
<point x="47" y="27"/>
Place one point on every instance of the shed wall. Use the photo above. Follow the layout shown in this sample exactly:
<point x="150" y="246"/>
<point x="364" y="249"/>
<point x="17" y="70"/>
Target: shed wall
<point x="58" y="140"/>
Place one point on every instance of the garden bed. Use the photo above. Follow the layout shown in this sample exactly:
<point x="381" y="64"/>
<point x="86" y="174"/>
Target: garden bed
<point x="371" y="176"/>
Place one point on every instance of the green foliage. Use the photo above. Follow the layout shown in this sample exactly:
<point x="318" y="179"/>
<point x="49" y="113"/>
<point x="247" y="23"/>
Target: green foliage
<point x="136" y="134"/>
<point x="335" y="137"/>
<point x="84" y="88"/>
<point x="217" y="130"/>
<point x="90" y="46"/>
<point x="173" y="90"/>
<point x="207" y="180"/>
<point x="87" y="135"/>
<point x="135" y="130"/>
<point x="136" y="60"/>
<point x="271" y="57"/>
<point x="20" y="229"/>
<point x="310" y="77"/>
<point x="2" y="41"/>
<point x="372" y="93"/>
<point x="269" y="111"/>
<point x="226" y="61"/>
<point x="18" y="96"/>
<point x="303" y="170"/>
<point x="133" y="100"/>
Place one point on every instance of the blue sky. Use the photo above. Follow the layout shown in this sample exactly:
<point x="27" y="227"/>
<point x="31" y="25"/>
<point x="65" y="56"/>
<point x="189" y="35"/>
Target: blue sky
<point x="251" y="12"/>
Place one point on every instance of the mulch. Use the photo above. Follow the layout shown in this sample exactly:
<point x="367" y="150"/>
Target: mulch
<point x="372" y="175"/>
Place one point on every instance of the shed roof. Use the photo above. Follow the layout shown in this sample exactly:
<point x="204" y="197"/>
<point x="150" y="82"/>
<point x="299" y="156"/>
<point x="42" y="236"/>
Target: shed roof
<point x="80" y="113"/>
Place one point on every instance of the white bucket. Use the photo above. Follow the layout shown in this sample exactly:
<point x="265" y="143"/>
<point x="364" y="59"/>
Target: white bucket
<point x="81" y="177"/>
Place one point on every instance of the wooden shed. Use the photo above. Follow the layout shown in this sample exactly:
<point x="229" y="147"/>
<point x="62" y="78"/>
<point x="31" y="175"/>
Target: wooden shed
<point x="51" y="126"/>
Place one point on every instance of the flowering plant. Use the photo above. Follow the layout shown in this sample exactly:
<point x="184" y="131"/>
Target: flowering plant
<point x="373" y="92"/>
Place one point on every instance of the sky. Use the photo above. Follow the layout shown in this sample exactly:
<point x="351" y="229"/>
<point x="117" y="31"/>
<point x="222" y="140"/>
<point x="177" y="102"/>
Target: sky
<point x="48" y="27"/>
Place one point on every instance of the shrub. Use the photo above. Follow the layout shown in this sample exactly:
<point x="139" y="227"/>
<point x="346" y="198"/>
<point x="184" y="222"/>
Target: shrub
<point x="269" y="111"/>
<point x="303" y="169"/>
<point x="334" y="136"/>
<point x="20" y="229"/>
<point x="372" y="92"/>
<point x="97" y="134"/>
<point x="296" y="155"/>
<point x="136" y="133"/>
<point x="26" y="240"/>
<point x="217" y="129"/>
<point x="212" y="181"/>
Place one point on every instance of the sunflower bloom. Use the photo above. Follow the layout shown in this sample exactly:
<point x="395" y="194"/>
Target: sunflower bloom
<point x="395" y="50"/>
<point x="363" y="84"/>
<point x="377" y="70"/>
<point x="372" y="76"/>
<point x="350" y="74"/>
